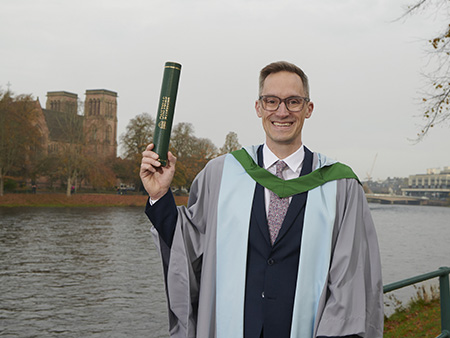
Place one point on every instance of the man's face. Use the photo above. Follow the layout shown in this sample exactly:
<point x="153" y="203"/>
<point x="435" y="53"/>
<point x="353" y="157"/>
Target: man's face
<point x="283" y="127"/>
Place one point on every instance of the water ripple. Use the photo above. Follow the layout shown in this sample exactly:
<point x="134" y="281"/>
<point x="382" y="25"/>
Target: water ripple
<point x="94" y="272"/>
<point x="78" y="272"/>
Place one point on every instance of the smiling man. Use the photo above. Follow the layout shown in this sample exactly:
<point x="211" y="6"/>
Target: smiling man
<point x="276" y="241"/>
<point x="283" y="123"/>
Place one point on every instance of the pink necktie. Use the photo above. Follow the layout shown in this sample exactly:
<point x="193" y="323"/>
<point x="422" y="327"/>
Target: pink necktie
<point x="277" y="207"/>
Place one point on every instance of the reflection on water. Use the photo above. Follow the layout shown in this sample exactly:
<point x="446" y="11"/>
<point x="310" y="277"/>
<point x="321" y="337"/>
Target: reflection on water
<point x="79" y="272"/>
<point x="94" y="272"/>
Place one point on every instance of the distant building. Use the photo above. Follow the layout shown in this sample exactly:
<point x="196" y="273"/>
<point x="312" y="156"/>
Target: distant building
<point x="390" y="185"/>
<point x="435" y="184"/>
<point x="62" y="125"/>
<point x="98" y="123"/>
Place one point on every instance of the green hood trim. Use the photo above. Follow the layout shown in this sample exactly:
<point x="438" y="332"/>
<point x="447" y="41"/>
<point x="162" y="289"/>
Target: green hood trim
<point x="287" y="188"/>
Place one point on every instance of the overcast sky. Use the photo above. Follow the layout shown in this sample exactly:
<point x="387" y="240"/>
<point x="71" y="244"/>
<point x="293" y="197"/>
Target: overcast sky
<point x="365" y="69"/>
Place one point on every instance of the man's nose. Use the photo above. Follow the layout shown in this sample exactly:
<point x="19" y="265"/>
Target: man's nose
<point x="282" y="109"/>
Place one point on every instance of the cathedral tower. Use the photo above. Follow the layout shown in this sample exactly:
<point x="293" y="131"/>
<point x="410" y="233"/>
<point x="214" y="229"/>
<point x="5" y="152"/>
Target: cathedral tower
<point x="100" y="122"/>
<point x="62" y="101"/>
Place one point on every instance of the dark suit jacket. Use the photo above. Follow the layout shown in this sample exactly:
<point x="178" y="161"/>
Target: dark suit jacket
<point x="272" y="270"/>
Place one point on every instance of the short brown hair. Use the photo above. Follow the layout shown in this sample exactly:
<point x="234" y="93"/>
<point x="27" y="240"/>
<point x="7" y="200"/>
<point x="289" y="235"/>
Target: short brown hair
<point x="281" y="66"/>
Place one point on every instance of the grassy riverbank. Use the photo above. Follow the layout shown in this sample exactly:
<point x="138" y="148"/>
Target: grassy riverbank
<point x="77" y="200"/>
<point x="421" y="318"/>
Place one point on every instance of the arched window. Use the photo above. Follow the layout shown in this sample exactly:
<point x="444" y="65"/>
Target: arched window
<point x="52" y="148"/>
<point x="98" y="107"/>
<point x="108" y="134"/>
<point x="93" y="133"/>
<point x="90" y="107"/>
<point x="55" y="105"/>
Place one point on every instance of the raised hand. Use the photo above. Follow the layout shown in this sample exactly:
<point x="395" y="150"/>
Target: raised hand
<point x="156" y="178"/>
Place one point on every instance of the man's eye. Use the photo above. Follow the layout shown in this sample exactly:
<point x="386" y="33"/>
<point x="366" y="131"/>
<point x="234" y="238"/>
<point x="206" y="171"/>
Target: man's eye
<point x="271" y="101"/>
<point x="295" y="101"/>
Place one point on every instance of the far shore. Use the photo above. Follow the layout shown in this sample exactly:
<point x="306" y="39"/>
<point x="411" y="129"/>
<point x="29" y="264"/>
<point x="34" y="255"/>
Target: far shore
<point x="78" y="200"/>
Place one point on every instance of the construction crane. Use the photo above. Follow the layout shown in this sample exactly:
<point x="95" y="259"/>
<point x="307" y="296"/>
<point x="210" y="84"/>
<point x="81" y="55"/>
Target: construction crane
<point x="369" y="174"/>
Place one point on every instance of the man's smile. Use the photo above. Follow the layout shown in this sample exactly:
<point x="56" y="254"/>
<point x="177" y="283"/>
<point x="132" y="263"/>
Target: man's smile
<point x="282" y="124"/>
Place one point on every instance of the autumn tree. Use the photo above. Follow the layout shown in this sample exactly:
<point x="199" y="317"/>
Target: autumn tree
<point x="70" y="160"/>
<point x="138" y="134"/>
<point x="436" y="98"/>
<point x="19" y="137"/>
<point x="206" y="149"/>
<point x="203" y="150"/>
<point x="183" y="140"/>
<point x="192" y="153"/>
<point x="48" y="167"/>
<point x="231" y="143"/>
<point x="182" y="144"/>
<point x="124" y="169"/>
<point x="101" y="176"/>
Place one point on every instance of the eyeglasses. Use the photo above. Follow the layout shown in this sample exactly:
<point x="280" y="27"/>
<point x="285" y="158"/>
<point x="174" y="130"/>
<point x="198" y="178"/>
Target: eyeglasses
<point x="292" y="103"/>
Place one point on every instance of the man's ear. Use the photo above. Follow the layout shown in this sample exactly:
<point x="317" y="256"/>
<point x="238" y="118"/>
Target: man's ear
<point x="258" y="108"/>
<point x="309" y="110"/>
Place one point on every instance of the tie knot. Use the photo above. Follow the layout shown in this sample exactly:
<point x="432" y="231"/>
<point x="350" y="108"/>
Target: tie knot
<point x="280" y="165"/>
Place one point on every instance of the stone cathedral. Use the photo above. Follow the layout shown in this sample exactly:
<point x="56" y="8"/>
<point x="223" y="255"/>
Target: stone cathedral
<point x="99" y="121"/>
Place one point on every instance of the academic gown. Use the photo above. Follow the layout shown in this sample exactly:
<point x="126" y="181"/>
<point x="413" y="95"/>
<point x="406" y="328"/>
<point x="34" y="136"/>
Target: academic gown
<point x="348" y="303"/>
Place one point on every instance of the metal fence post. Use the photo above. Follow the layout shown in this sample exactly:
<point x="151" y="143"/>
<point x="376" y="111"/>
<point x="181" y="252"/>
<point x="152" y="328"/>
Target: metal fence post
<point x="445" y="301"/>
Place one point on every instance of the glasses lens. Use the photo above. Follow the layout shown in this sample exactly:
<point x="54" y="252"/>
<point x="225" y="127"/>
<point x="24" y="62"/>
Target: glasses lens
<point x="294" y="103"/>
<point x="271" y="102"/>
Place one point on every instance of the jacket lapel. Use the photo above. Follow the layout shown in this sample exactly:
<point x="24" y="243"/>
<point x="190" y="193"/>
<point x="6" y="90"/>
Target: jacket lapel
<point x="298" y="201"/>
<point x="259" y="207"/>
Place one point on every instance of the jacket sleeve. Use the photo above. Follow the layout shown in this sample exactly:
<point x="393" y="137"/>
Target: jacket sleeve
<point x="181" y="234"/>
<point x="163" y="215"/>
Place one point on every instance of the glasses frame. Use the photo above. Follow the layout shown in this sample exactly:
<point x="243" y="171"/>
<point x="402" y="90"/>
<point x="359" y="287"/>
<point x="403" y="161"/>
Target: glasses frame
<point x="305" y="100"/>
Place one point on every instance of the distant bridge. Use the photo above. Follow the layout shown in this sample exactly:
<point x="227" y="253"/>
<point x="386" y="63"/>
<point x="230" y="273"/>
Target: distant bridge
<point x="394" y="199"/>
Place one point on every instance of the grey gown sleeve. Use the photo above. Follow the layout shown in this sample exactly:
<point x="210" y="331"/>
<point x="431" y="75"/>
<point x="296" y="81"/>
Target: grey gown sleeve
<point x="185" y="264"/>
<point x="352" y="303"/>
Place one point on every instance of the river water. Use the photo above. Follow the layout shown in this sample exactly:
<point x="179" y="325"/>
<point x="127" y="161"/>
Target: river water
<point x="94" y="272"/>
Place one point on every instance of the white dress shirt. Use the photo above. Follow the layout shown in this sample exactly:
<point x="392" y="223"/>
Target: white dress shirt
<point x="294" y="166"/>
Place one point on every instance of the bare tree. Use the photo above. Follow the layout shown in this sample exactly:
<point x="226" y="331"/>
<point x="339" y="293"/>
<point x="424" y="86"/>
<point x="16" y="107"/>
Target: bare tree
<point x="436" y="97"/>
<point x="231" y="143"/>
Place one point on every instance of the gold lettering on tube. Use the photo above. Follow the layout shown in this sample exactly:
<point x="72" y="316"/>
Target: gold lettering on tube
<point x="165" y="103"/>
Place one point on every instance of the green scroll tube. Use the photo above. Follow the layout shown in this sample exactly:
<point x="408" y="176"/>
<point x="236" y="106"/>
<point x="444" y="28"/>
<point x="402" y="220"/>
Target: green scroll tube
<point x="164" y="118"/>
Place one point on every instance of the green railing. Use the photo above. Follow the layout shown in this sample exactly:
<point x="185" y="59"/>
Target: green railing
<point x="444" y="288"/>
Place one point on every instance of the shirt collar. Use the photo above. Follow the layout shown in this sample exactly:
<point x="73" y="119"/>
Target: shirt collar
<point x="294" y="161"/>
